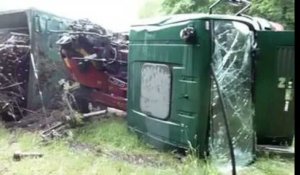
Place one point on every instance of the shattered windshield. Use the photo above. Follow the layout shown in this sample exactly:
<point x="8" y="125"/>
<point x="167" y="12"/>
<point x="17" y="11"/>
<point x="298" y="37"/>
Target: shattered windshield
<point x="232" y="66"/>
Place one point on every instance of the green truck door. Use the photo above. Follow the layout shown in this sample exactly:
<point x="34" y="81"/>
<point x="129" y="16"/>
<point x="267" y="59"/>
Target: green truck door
<point x="169" y="84"/>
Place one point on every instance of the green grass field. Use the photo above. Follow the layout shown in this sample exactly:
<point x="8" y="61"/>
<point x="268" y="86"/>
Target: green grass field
<point x="106" y="147"/>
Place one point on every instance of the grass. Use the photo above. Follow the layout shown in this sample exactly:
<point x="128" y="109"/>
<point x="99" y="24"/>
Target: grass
<point x="111" y="133"/>
<point x="107" y="147"/>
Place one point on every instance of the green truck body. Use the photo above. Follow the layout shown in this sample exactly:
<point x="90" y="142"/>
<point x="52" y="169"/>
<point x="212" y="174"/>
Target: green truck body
<point x="275" y="82"/>
<point x="171" y="94"/>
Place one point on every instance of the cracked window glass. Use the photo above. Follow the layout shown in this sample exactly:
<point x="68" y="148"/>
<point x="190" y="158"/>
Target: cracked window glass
<point x="232" y="65"/>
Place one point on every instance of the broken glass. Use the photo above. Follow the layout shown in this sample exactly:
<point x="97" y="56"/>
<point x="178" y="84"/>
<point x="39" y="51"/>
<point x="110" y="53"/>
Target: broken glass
<point x="232" y="66"/>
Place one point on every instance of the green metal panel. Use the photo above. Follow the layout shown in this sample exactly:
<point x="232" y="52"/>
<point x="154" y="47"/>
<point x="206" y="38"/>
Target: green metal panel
<point x="50" y="67"/>
<point x="275" y="69"/>
<point x="44" y="50"/>
<point x="187" y="121"/>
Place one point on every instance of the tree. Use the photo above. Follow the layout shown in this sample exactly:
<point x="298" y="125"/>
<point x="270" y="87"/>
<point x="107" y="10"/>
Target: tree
<point x="192" y="6"/>
<point x="281" y="11"/>
<point x="151" y="8"/>
<point x="184" y="6"/>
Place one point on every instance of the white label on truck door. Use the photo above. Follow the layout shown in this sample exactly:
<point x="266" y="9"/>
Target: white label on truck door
<point x="155" y="90"/>
<point x="281" y="82"/>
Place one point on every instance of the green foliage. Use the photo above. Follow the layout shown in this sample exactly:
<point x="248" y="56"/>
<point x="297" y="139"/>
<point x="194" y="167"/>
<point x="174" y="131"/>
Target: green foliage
<point x="195" y="6"/>
<point x="150" y="8"/>
<point x="184" y="6"/>
<point x="281" y="11"/>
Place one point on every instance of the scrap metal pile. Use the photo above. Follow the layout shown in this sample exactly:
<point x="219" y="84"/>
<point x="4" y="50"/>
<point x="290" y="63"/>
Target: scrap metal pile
<point x="90" y="45"/>
<point x="14" y="74"/>
<point x="98" y="61"/>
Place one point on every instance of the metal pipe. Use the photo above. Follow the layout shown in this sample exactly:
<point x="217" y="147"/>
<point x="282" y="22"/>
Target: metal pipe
<point x="72" y="32"/>
<point x="35" y="71"/>
<point x="213" y="5"/>
<point x="245" y="8"/>
<point x="95" y="113"/>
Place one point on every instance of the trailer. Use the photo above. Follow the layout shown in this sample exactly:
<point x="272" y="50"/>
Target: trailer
<point x="31" y="65"/>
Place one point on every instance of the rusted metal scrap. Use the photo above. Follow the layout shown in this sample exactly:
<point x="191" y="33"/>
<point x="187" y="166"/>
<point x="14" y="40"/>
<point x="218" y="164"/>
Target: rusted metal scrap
<point x="97" y="60"/>
<point x="85" y="25"/>
<point x="14" y="74"/>
<point x="90" y="44"/>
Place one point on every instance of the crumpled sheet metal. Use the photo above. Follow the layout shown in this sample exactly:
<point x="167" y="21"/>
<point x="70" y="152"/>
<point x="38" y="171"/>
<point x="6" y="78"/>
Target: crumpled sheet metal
<point x="96" y="58"/>
<point x="232" y="66"/>
<point x="110" y="51"/>
<point x="85" y="25"/>
<point x="14" y="74"/>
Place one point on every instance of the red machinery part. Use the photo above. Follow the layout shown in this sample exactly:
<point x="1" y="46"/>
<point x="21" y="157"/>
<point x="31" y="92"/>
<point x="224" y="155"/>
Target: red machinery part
<point x="104" y="89"/>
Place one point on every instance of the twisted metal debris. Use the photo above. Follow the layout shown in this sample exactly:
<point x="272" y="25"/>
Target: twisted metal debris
<point x="106" y="52"/>
<point x="14" y="74"/>
<point x="97" y="60"/>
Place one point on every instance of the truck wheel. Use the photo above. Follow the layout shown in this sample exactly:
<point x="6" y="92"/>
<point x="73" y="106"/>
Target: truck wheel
<point x="78" y="102"/>
<point x="82" y="105"/>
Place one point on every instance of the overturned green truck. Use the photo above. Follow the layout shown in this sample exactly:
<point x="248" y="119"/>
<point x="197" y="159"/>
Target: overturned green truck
<point x="195" y="78"/>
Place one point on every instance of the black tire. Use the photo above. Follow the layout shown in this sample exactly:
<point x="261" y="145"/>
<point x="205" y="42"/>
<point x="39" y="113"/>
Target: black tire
<point x="78" y="101"/>
<point x="82" y="105"/>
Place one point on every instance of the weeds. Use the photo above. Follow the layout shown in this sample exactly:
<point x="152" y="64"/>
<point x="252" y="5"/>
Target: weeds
<point x="127" y="155"/>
